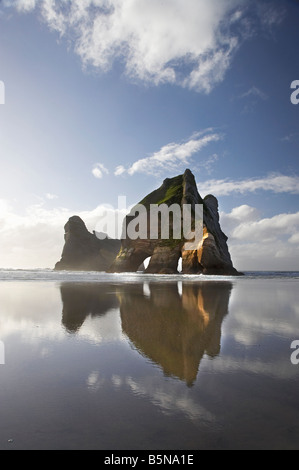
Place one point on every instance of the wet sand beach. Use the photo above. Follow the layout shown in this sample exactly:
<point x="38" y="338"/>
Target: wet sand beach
<point x="142" y="363"/>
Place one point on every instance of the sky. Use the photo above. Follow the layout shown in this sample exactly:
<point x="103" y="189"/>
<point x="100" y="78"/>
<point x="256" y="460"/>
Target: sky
<point x="107" y="98"/>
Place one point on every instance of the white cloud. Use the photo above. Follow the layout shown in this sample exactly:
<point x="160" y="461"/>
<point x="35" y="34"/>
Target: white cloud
<point x="119" y="170"/>
<point x="268" y="229"/>
<point x="244" y="213"/>
<point x="244" y="223"/>
<point x="276" y="183"/>
<point x="51" y="197"/>
<point x="98" y="170"/>
<point x="209" y="163"/>
<point x="26" y="5"/>
<point x="294" y="238"/>
<point x="254" y="92"/>
<point x="272" y="255"/>
<point x="156" y="39"/>
<point x="184" y="42"/>
<point x="172" y="156"/>
<point x="251" y="98"/>
<point x="211" y="69"/>
<point x="258" y="243"/>
<point x="35" y="238"/>
<point x="23" y="6"/>
<point x="270" y="16"/>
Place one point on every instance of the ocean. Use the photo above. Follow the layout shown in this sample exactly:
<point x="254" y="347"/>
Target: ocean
<point x="115" y="362"/>
<point x="83" y="276"/>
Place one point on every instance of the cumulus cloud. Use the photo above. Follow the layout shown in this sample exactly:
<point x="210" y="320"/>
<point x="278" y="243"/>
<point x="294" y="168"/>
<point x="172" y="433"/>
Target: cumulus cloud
<point x="269" y="228"/>
<point x="276" y="183"/>
<point x="172" y="156"/>
<point x="99" y="170"/>
<point x="244" y="213"/>
<point x="190" y="43"/>
<point x="244" y="223"/>
<point x="258" y="243"/>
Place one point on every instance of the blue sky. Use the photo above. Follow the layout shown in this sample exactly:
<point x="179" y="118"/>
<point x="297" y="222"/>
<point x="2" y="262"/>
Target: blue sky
<point x="109" y="97"/>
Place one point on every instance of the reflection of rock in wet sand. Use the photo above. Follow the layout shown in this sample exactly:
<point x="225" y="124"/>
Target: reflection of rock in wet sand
<point x="175" y="331"/>
<point x="81" y="300"/>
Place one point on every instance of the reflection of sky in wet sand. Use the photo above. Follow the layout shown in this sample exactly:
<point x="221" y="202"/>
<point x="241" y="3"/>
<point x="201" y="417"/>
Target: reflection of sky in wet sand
<point x="167" y="396"/>
<point x="266" y="308"/>
<point x="263" y="320"/>
<point x="83" y="358"/>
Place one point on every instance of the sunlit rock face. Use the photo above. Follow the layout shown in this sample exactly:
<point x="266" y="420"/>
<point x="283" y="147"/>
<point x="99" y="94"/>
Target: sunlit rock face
<point x="209" y="256"/>
<point x="84" y="251"/>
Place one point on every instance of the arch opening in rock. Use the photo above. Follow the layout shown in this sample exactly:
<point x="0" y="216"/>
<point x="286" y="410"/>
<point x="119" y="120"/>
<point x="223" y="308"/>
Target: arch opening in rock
<point x="146" y="262"/>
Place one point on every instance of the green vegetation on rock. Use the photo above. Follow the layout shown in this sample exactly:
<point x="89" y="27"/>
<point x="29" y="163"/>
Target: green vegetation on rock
<point x="171" y="192"/>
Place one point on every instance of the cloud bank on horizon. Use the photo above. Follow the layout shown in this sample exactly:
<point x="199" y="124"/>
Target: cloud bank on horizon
<point x="273" y="241"/>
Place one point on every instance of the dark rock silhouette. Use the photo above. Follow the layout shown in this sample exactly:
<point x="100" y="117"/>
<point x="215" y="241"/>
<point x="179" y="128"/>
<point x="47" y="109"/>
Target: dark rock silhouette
<point x="83" y="251"/>
<point x="211" y="256"/>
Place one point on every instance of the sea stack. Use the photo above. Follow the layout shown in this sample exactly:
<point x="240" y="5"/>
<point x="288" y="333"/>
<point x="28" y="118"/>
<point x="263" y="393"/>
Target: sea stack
<point x="210" y="256"/>
<point x="83" y="251"/>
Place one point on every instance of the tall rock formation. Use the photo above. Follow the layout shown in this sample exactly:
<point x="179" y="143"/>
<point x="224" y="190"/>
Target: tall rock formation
<point x="210" y="256"/>
<point x="83" y="251"/>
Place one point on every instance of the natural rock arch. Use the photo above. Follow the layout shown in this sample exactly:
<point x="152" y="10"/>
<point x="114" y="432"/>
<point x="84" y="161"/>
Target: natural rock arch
<point x="211" y="256"/>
